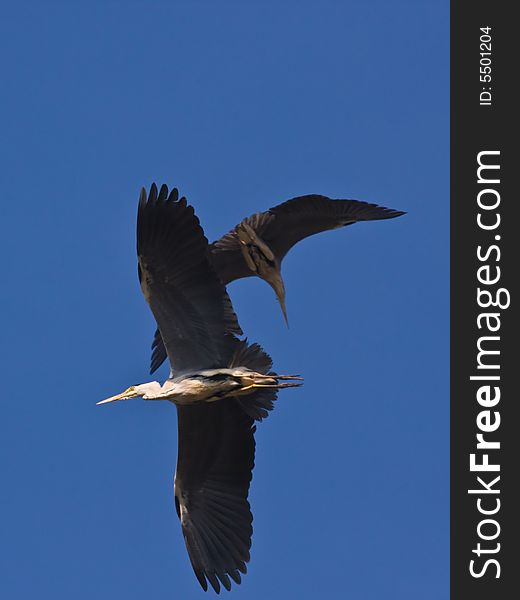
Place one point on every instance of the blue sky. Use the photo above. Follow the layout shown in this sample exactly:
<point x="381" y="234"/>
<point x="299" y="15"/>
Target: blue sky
<point x="241" y="107"/>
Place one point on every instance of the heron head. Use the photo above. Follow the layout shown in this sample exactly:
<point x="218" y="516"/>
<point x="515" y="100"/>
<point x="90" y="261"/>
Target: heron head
<point x="133" y="392"/>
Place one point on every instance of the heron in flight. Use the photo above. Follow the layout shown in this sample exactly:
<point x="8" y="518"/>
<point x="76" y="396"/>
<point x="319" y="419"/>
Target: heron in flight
<point x="259" y="243"/>
<point x="220" y="385"/>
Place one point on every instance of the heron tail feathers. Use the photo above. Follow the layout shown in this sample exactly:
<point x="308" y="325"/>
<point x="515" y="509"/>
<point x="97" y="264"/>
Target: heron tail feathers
<point x="251" y="356"/>
<point x="257" y="403"/>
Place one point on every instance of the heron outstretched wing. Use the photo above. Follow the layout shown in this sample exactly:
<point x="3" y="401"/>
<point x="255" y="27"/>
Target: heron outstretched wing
<point x="189" y="302"/>
<point x="214" y="470"/>
<point x="282" y="226"/>
<point x="228" y="262"/>
<point x="301" y="217"/>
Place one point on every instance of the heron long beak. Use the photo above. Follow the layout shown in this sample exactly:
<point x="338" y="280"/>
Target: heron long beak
<point x="279" y="290"/>
<point x="281" y="299"/>
<point x="129" y="393"/>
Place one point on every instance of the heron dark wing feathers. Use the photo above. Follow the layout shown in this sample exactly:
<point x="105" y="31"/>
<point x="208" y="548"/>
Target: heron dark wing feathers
<point x="189" y="302"/>
<point x="214" y="470"/>
<point x="286" y="224"/>
<point x="158" y="352"/>
<point x="240" y="354"/>
<point x="303" y="216"/>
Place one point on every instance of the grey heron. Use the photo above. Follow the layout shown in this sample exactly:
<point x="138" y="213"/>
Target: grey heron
<point x="220" y="385"/>
<point x="259" y="243"/>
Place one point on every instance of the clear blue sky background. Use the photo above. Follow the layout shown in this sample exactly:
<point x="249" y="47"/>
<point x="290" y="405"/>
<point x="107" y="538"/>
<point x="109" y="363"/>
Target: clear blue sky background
<point x="241" y="107"/>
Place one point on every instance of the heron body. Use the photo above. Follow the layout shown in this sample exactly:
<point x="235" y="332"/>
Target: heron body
<point x="221" y="386"/>
<point x="207" y="386"/>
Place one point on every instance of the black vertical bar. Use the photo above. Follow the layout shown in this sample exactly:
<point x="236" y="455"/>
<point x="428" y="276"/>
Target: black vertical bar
<point x="484" y="123"/>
